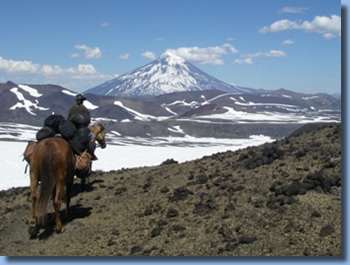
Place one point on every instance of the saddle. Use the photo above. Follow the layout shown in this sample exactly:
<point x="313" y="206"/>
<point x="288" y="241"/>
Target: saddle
<point x="83" y="161"/>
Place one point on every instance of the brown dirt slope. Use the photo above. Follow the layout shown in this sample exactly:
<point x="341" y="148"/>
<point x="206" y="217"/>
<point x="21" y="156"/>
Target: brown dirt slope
<point x="281" y="198"/>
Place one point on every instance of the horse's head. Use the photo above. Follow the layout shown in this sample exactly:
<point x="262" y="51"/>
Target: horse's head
<point x="99" y="130"/>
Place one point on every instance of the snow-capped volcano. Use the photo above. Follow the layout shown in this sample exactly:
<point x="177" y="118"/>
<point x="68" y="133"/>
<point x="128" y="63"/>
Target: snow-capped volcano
<point x="167" y="74"/>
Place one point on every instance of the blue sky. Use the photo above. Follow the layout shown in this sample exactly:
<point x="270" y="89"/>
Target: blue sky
<point x="271" y="44"/>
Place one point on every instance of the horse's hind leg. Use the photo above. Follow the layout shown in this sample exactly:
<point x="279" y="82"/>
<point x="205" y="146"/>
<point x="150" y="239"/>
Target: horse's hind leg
<point x="68" y="194"/>
<point x="57" y="206"/>
<point x="33" y="192"/>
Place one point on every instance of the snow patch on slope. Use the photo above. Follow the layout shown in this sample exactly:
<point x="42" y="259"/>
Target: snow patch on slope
<point x="27" y="104"/>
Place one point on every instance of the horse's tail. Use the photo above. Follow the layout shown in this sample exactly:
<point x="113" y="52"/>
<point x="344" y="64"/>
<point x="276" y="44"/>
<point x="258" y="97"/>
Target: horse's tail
<point x="48" y="182"/>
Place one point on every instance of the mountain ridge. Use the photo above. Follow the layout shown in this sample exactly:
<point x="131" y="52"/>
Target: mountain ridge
<point x="209" y="113"/>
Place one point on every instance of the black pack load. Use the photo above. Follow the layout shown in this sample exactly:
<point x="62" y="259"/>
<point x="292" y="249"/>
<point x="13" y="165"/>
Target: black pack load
<point x="45" y="132"/>
<point x="82" y="135"/>
<point x="77" y="146"/>
<point x="81" y="119"/>
<point x="54" y="121"/>
<point x="80" y="141"/>
<point x="67" y="129"/>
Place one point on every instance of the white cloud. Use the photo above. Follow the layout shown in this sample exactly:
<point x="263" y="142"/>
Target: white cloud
<point x="105" y="24"/>
<point x="288" y="42"/>
<point x="74" y="55"/>
<point x="149" y="55"/>
<point x="90" y="53"/>
<point x="328" y="27"/>
<point x="124" y="56"/>
<point x="22" y="71"/>
<point x="248" y="60"/>
<point x="274" y="53"/>
<point x="207" y="55"/>
<point x="292" y="10"/>
<point x="11" y="66"/>
<point x="86" y="69"/>
<point x="52" y="70"/>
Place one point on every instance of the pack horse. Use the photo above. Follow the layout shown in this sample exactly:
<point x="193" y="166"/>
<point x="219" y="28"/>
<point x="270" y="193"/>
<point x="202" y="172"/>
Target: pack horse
<point x="53" y="164"/>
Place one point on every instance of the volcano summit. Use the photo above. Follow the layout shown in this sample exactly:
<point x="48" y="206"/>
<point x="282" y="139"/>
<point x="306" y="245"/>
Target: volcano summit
<point x="167" y="74"/>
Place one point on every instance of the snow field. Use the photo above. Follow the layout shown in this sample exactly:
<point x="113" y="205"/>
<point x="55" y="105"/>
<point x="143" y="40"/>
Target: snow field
<point x="130" y="154"/>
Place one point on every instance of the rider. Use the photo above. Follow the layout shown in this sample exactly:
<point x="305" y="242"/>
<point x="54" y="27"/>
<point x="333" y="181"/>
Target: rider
<point x="80" y="108"/>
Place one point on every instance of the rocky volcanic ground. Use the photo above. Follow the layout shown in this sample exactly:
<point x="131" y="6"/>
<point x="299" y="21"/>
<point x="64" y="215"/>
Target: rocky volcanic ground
<point x="281" y="198"/>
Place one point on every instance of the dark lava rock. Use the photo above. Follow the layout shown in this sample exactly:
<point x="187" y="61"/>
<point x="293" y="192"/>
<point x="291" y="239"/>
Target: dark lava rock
<point x="172" y="213"/>
<point x="156" y="231"/>
<point x="135" y="249"/>
<point x="256" y="201"/>
<point x="202" y="179"/>
<point x="247" y="239"/>
<point x="292" y="189"/>
<point x="265" y="157"/>
<point x="327" y="230"/>
<point x="164" y="190"/>
<point x="225" y="231"/>
<point x="169" y="162"/>
<point x="177" y="228"/>
<point x="231" y="245"/>
<point x="119" y="191"/>
<point x="315" y="213"/>
<point x="230" y="208"/>
<point x="205" y="205"/>
<point x="179" y="194"/>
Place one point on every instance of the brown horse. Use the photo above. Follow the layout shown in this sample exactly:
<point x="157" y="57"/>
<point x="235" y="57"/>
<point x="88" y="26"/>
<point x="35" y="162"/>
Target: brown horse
<point x="53" y="164"/>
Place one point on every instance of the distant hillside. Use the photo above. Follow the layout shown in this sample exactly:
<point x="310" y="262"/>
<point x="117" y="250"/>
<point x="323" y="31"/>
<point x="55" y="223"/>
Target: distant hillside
<point x="209" y="113"/>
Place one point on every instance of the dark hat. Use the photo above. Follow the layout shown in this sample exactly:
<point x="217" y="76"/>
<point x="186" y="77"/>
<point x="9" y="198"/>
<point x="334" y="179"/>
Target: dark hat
<point x="80" y="97"/>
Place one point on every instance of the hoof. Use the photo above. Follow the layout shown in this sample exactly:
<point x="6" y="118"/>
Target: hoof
<point x="59" y="230"/>
<point x="33" y="231"/>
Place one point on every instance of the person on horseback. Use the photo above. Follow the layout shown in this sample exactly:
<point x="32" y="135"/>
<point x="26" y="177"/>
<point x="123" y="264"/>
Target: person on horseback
<point x="77" y="109"/>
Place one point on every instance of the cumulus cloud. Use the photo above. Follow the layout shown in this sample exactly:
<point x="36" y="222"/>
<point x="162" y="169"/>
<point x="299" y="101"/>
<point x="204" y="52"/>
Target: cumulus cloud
<point x="292" y="10"/>
<point x="274" y="53"/>
<point x="11" y="66"/>
<point x="74" y="55"/>
<point x="124" y="56"/>
<point x="288" y="42"/>
<point x="208" y="55"/>
<point x="248" y="58"/>
<point x="85" y="73"/>
<point x="90" y="53"/>
<point x="149" y="55"/>
<point x="328" y="27"/>
<point x="52" y="70"/>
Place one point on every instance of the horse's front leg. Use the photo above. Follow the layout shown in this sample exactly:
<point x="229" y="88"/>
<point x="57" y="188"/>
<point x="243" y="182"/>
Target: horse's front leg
<point x="57" y="206"/>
